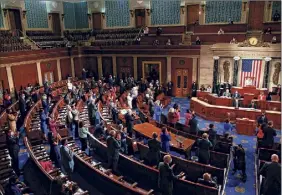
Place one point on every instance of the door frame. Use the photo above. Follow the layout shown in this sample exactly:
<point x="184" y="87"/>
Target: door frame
<point x="144" y="63"/>
<point x="22" y="16"/>
<point x="51" y="21"/>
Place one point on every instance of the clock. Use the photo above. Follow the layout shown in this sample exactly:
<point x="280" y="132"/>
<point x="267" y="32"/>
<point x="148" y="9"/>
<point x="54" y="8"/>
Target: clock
<point x="253" y="41"/>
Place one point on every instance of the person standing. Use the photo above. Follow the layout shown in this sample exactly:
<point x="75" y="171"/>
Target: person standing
<point x="12" y="119"/>
<point x="169" y="88"/>
<point x="262" y="119"/>
<point x="157" y="111"/>
<point x="129" y="122"/>
<point x="193" y="123"/>
<point x="212" y="134"/>
<point x="14" y="149"/>
<point x="239" y="161"/>
<point x="272" y="173"/>
<point x="123" y="142"/>
<point x="43" y="122"/>
<point x="166" y="176"/>
<point x="165" y="140"/>
<point x="113" y="147"/>
<point x="204" y="146"/>
<point x="194" y="89"/>
<point x="154" y="154"/>
<point x="66" y="158"/>
<point x="75" y="114"/>
<point x="22" y="104"/>
<point x="92" y="111"/>
<point x="54" y="150"/>
<point x="82" y="132"/>
<point x="269" y="134"/>
<point x="188" y="117"/>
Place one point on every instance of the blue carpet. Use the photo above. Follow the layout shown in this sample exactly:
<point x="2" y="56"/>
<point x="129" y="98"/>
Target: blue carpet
<point x="234" y="185"/>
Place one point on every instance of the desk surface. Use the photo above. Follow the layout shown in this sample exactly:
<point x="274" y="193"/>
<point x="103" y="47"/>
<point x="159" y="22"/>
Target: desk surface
<point x="147" y="130"/>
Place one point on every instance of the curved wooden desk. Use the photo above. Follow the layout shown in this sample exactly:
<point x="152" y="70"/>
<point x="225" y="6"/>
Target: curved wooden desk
<point x="219" y="113"/>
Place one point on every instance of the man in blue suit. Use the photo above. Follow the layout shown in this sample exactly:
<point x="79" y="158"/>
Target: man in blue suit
<point x="66" y="158"/>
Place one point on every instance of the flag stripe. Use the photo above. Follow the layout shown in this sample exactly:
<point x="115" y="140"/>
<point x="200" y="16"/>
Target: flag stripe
<point x="251" y="68"/>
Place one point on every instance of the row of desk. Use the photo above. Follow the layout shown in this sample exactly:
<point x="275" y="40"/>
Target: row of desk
<point x="219" y="113"/>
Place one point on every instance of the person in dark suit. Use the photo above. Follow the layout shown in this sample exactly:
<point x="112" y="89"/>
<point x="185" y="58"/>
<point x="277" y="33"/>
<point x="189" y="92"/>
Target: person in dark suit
<point x="207" y="180"/>
<point x="22" y="104"/>
<point x="262" y="119"/>
<point x="129" y="122"/>
<point x="272" y="173"/>
<point x="14" y="149"/>
<point x="169" y="88"/>
<point x="269" y="134"/>
<point x="193" y="123"/>
<point x="99" y="130"/>
<point x="239" y="161"/>
<point x="166" y="176"/>
<point x="204" y="146"/>
<point x="113" y="145"/>
<point x="111" y="81"/>
<point x="154" y="155"/>
<point x="253" y="105"/>
<point x="66" y="158"/>
<point x="194" y="89"/>
<point x="165" y="140"/>
<point x="212" y="134"/>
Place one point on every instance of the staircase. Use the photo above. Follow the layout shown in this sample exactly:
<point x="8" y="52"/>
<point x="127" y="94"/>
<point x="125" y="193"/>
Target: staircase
<point x="28" y="41"/>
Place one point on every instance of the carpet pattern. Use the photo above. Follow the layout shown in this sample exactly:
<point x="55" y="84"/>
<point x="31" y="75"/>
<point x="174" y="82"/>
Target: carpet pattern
<point x="234" y="185"/>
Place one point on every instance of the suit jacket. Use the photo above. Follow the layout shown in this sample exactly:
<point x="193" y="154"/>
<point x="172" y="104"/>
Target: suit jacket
<point x="204" y="150"/>
<point x="165" y="139"/>
<point x="166" y="177"/>
<point x="129" y="122"/>
<point x="272" y="183"/>
<point x="66" y="159"/>
<point x="269" y="134"/>
<point x="193" y="125"/>
<point x="262" y="120"/>
<point x="212" y="136"/>
<point x="207" y="183"/>
<point x="154" y="154"/>
<point x="236" y="95"/>
<point x="113" y="148"/>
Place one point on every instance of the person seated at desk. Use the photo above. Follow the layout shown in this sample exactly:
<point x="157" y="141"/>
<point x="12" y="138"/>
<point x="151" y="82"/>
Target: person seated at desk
<point x="165" y="140"/>
<point x="262" y="119"/>
<point x="209" y="89"/>
<point x="262" y="97"/>
<point x="226" y="93"/>
<point x="207" y="180"/>
<point x="236" y="95"/>
<point x="202" y="88"/>
<point x="253" y="105"/>
<point x="204" y="146"/>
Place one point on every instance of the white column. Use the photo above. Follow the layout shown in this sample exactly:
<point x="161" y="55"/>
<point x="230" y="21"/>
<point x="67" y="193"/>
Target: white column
<point x="39" y="75"/>
<point x="59" y="69"/>
<point x="195" y="68"/>
<point x="114" y="58"/>
<point x="72" y="68"/>
<point x="100" y="69"/>
<point x="135" y="67"/>
<point x="168" y="68"/>
<point x="10" y="78"/>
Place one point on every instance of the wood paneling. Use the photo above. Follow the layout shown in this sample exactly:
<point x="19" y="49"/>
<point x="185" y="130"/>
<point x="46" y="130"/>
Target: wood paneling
<point x="4" y="78"/>
<point x="125" y="62"/>
<point x="179" y="63"/>
<point x="107" y="65"/>
<point x="90" y="64"/>
<point x="24" y="74"/>
<point x="192" y="14"/>
<point x="256" y="10"/>
<point x="97" y="20"/>
<point x="78" y="67"/>
<point x="157" y="59"/>
<point x="65" y="67"/>
<point x="49" y="66"/>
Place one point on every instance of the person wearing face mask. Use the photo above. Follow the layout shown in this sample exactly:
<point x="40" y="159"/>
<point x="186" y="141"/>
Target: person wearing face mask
<point x="166" y="176"/>
<point x="14" y="149"/>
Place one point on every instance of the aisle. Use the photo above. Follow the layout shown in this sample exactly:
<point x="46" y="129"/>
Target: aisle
<point x="234" y="186"/>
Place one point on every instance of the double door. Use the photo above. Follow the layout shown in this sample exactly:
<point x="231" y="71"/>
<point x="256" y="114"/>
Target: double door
<point x="182" y="88"/>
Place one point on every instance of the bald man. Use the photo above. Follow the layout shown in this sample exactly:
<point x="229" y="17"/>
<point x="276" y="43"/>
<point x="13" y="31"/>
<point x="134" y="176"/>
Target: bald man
<point x="207" y="180"/>
<point x="272" y="173"/>
<point x="166" y="176"/>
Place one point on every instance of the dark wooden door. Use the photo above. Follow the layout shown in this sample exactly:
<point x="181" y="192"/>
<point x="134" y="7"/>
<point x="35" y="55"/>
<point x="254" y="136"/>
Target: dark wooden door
<point x="97" y="21"/>
<point x="15" y="19"/>
<point x="140" y="18"/>
<point x="181" y="83"/>
<point x="107" y="66"/>
<point x="192" y="14"/>
<point x="56" y="23"/>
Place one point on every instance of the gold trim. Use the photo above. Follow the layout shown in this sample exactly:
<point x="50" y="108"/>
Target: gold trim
<point x="152" y="62"/>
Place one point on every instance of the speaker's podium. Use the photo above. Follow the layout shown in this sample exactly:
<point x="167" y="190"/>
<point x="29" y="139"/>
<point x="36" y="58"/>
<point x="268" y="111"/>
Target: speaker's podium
<point x="249" y="86"/>
<point x="245" y="126"/>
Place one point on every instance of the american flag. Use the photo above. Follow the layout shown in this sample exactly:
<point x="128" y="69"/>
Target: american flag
<point x="251" y="68"/>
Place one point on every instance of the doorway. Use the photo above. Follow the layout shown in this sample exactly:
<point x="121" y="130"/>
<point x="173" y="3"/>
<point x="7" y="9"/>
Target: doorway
<point x="97" y="21"/>
<point x="181" y="83"/>
<point x="152" y="71"/>
<point x="56" y="24"/>
<point x="49" y="76"/>
<point x="124" y="72"/>
<point x="140" y="18"/>
<point x="15" y="19"/>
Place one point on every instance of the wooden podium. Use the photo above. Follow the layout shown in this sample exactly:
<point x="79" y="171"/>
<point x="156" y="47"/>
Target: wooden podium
<point x="248" y="97"/>
<point x="245" y="126"/>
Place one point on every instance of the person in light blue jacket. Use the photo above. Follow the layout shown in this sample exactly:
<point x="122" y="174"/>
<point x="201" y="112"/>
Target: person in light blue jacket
<point x="66" y="158"/>
<point x="157" y="111"/>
